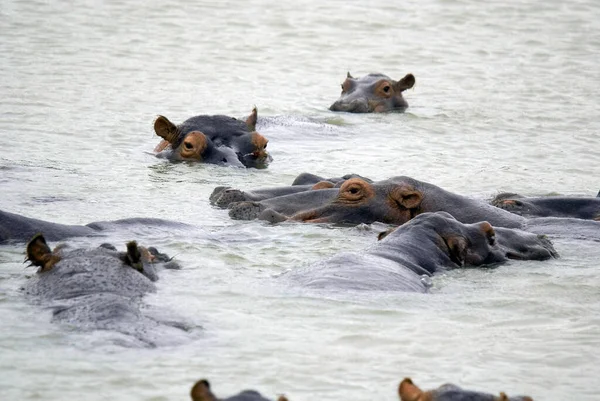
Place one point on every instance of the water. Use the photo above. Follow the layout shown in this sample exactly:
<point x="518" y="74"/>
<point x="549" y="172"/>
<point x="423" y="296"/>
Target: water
<point x="505" y="100"/>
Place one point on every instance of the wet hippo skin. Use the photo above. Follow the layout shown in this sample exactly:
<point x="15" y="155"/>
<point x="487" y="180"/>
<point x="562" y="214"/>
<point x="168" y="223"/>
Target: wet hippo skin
<point x="549" y="206"/>
<point x="213" y="139"/>
<point x="102" y="289"/>
<point x="408" y="391"/>
<point x="373" y="93"/>
<point x="15" y="228"/>
<point x="201" y="391"/>
<point x="429" y="243"/>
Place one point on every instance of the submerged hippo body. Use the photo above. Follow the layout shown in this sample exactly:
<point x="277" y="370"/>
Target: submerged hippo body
<point x="213" y="139"/>
<point x="373" y="93"/>
<point x="17" y="228"/>
<point x="408" y="391"/>
<point x="549" y="206"/>
<point x="429" y="243"/>
<point x="396" y="201"/>
<point x="201" y="392"/>
<point x="101" y="289"/>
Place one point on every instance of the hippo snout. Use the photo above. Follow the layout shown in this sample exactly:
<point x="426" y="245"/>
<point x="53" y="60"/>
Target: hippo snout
<point x="353" y="106"/>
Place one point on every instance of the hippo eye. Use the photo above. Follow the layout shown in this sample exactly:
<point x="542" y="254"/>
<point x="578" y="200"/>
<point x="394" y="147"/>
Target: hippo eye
<point x="354" y="191"/>
<point x="386" y="88"/>
<point x="188" y="145"/>
<point x="492" y="240"/>
<point x="264" y="147"/>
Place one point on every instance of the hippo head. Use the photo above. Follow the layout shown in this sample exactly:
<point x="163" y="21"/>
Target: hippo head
<point x="137" y="257"/>
<point x="408" y="391"/>
<point x="192" y="146"/>
<point x="478" y="243"/>
<point x="201" y="392"/>
<point x="359" y="202"/>
<point x="373" y="93"/>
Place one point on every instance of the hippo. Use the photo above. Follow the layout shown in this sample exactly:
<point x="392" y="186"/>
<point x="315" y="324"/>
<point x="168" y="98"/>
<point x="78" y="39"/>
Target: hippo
<point x="214" y="139"/>
<point x="101" y="289"/>
<point x="546" y="206"/>
<point x="408" y="391"/>
<point x="201" y="392"/>
<point x="396" y="201"/>
<point x="373" y="93"/>
<point x="17" y="228"/>
<point x="429" y="243"/>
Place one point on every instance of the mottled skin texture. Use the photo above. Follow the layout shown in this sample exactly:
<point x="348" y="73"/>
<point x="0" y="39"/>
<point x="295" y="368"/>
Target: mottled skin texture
<point x="17" y="228"/>
<point x="101" y="289"/>
<point x="201" y="391"/>
<point x="408" y="391"/>
<point x="549" y="206"/>
<point x="373" y="93"/>
<point x="429" y="243"/>
<point x="213" y="139"/>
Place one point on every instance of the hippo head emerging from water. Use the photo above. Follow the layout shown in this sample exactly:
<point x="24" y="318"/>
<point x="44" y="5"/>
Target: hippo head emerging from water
<point x="408" y="391"/>
<point x="373" y="93"/>
<point x="213" y="139"/>
<point x="201" y="392"/>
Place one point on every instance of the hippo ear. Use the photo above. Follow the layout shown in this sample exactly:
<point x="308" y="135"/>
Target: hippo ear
<point x="166" y="129"/>
<point x="503" y="397"/>
<point x="133" y="256"/>
<point x="201" y="391"/>
<point x="405" y="83"/>
<point x="251" y="119"/>
<point x="457" y="248"/>
<point x="407" y="196"/>
<point x="322" y="185"/>
<point x="408" y="391"/>
<point x="349" y="75"/>
<point x="385" y="233"/>
<point x="39" y="253"/>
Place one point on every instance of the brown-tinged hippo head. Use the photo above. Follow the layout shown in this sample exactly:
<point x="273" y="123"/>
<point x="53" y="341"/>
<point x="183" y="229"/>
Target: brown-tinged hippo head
<point x="408" y="391"/>
<point x="201" y="392"/>
<point x="373" y="93"/>
<point x="215" y="139"/>
<point x="549" y="206"/>
<point x="358" y="201"/>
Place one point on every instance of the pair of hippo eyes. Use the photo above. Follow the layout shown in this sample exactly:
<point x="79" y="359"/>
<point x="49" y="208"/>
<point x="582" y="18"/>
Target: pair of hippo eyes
<point x="386" y="88"/>
<point x="190" y="146"/>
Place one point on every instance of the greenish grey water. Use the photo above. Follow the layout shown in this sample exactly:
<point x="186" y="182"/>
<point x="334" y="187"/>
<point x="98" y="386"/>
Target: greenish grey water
<point x="506" y="100"/>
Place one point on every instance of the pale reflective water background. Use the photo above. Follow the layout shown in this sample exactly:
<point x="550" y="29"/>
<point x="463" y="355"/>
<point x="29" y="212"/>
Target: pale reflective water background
<point x="506" y="100"/>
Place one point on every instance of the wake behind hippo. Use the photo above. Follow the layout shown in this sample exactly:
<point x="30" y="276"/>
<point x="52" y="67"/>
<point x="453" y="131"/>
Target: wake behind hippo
<point x="213" y="139"/>
<point x="101" y="289"/>
<point x="428" y="244"/>
<point x="373" y="93"/>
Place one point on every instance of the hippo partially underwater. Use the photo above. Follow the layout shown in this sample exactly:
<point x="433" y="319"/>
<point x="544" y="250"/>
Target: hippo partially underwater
<point x="214" y="139"/>
<point x="556" y="206"/>
<point x="102" y="289"/>
<point x="393" y="201"/>
<point x="427" y="244"/>
<point x="407" y="391"/>
<point x="373" y="93"/>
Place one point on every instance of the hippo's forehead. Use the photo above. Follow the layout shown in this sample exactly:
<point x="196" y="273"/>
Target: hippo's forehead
<point x="213" y="125"/>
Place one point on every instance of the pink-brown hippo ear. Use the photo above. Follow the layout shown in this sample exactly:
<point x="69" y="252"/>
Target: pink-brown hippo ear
<point x="166" y="129"/>
<point x="457" y="248"/>
<point x="201" y="391"/>
<point x="408" y="391"/>
<point x="251" y="119"/>
<point x="322" y="185"/>
<point x="405" y="83"/>
<point x="39" y="253"/>
<point x="282" y="398"/>
<point x="407" y="196"/>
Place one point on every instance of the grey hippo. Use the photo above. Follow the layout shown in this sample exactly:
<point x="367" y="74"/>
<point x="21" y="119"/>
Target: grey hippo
<point x="201" y="391"/>
<point x="429" y="243"/>
<point x="408" y="391"/>
<point x="103" y="289"/>
<point x="556" y="206"/>
<point x="215" y="139"/>
<point x="393" y="201"/>
<point x="373" y="93"/>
